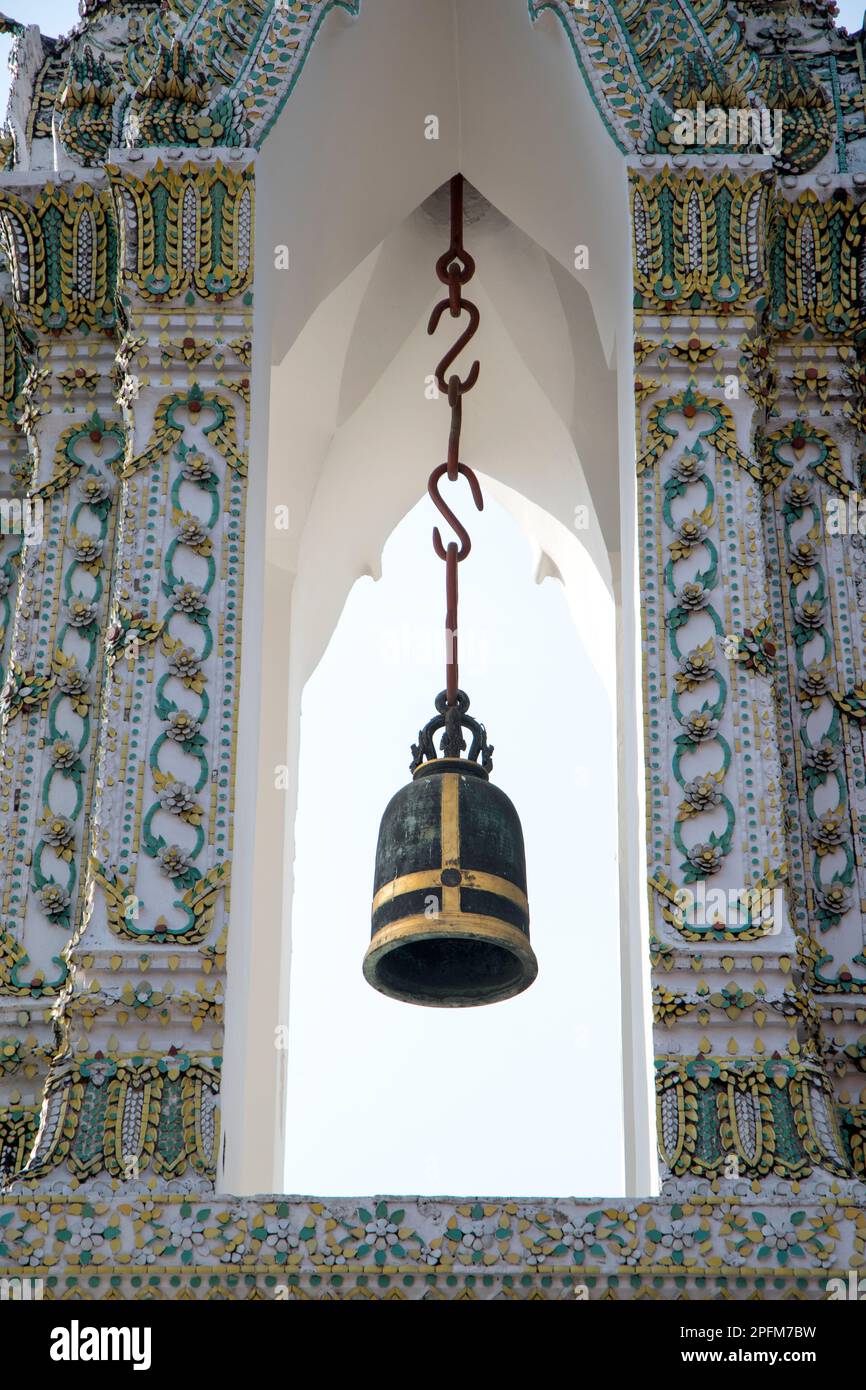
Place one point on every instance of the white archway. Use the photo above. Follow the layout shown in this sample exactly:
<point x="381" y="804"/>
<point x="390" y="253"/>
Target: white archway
<point x="552" y="420"/>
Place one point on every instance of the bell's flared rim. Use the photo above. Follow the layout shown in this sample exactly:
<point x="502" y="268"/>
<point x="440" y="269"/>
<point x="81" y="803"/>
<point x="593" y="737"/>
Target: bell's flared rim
<point x="488" y="932"/>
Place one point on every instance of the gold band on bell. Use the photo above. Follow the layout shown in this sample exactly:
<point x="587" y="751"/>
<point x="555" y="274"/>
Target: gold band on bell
<point x="432" y="879"/>
<point x="466" y="924"/>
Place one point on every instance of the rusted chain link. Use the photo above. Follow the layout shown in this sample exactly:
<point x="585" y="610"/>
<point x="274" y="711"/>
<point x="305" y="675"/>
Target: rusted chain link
<point x="455" y="268"/>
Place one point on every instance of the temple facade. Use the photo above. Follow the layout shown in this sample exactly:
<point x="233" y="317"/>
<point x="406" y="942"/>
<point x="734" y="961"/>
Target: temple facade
<point x="184" y="184"/>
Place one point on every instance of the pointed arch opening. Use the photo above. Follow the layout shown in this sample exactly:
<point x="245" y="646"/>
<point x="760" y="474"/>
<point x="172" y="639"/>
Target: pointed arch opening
<point x="344" y="436"/>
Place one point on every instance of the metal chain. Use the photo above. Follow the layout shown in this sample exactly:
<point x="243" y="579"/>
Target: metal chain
<point x="455" y="269"/>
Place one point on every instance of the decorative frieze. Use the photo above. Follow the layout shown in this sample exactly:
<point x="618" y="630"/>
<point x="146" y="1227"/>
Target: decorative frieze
<point x="728" y="1246"/>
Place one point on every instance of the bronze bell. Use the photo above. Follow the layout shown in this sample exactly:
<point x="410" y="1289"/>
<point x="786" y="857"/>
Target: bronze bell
<point x="450" y="920"/>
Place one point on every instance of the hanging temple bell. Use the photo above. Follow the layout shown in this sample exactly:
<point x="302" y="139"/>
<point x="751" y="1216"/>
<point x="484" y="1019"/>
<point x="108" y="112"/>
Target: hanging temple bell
<point x="450" y="922"/>
<point x="450" y="915"/>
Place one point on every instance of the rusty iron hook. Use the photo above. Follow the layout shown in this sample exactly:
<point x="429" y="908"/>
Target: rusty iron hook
<point x="442" y="505"/>
<point x="454" y="352"/>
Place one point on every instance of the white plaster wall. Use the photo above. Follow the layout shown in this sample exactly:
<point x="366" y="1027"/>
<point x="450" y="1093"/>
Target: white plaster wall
<point x="350" y="432"/>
